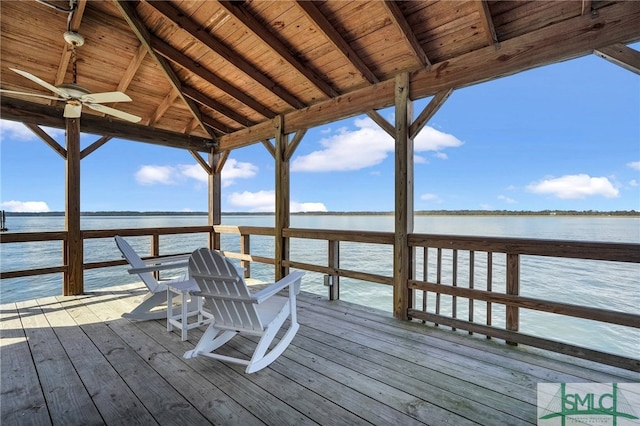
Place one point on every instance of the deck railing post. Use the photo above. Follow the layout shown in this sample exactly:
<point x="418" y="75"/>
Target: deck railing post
<point x="513" y="288"/>
<point x="216" y="162"/>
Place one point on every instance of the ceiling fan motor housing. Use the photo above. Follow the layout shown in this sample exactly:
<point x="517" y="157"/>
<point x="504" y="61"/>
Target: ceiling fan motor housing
<point x="73" y="38"/>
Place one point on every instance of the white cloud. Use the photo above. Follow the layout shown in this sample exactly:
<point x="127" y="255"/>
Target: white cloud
<point x="193" y="171"/>
<point x="25" y="206"/>
<point x="295" y="207"/>
<point x="430" y="139"/>
<point x="366" y="146"/>
<point x="634" y="165"/>
<point x="234" y="169"/>
<point x="151" y="175"/>
<point x="575" y="187"/>
<point x="171" y="175"/>
<point x="633" y="183"/>
<point x="264" y="201"/>
<point x="16" y="130"/>
<point x="506" y="199"/>
<point x="431" y="197"/>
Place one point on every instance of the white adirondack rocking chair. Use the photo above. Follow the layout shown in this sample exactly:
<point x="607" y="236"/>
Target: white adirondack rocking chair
<point x="236" y="310"/>
<point x="157" y="295"/>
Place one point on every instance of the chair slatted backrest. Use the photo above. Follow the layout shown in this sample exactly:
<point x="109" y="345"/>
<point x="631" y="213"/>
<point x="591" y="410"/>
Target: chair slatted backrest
<point x="217" y="276"/>
<point x="136" y="262"/>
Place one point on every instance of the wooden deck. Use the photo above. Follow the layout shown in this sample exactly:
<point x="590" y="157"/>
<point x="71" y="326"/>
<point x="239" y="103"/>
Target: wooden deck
<point x="75" y="361"/>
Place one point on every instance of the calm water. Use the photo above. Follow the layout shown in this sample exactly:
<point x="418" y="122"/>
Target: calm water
<point x="607" y="285"/>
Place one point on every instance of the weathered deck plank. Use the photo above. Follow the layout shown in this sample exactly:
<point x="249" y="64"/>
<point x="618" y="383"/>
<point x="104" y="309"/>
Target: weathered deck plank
<point x="22" y="399"/>
<point x="74" y="360"/>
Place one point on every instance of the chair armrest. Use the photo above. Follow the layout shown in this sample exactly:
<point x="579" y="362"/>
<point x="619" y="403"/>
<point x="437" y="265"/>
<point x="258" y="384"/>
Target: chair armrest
<point x="162" y="263"/>
<point x="292" y="279"/>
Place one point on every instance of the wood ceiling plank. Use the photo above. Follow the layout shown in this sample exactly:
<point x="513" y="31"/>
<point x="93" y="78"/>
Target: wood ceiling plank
<point x="129" y="13"/>
<point x="169" y="52"/>
<point x="197" y="31"/>
<point x="278" y="47"/>
<point x="217" y="106"/>
<point x="407" y="33"/>
<point x="314" y="14"/>
<point x="572" y="38"/>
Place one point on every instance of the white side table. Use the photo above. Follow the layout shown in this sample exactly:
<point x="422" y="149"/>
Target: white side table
<point x="190" y="306"/>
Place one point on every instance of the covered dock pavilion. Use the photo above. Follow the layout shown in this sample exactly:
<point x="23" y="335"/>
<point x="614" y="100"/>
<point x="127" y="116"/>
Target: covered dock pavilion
<point x="211" y="77"/>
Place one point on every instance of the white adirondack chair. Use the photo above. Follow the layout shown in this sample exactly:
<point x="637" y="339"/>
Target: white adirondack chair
<point x="157" y="295"/>
<point x="236" y="310"/>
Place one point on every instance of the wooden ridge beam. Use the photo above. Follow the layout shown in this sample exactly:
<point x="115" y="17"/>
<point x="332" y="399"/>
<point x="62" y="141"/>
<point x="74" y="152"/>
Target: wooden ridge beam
<point x="194" y="29"/>
<point x="51" y="116"/>
<point x="252" y="25"/>
<point x="323" y="24"/>
<point x="617" y="23"/>
<point x="130" y="15"/>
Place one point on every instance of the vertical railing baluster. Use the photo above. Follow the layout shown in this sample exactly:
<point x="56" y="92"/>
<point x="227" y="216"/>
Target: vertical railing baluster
<point x="155" y="251"/>
<point x="425" y="277"/>
<point x="334" y="263"/>
<point x="454" y="283"/>
<point x="489" y="287"/>
<point x="438" y="280"/>
<point x="472" y="256"/>
<point x="245" y="248"/>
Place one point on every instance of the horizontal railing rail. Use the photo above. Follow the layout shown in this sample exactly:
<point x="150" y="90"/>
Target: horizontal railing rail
<point x="465" y="270"/>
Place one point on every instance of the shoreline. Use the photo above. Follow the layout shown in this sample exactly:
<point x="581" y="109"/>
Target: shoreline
<point x="545" y="213"/>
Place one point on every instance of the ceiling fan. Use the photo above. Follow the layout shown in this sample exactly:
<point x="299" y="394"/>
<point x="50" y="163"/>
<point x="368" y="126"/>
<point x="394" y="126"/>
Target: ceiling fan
<point x="75" y="95"/>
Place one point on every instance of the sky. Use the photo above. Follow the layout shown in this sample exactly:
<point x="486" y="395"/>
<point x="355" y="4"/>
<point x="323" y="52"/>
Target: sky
<point x="561" y="137"/>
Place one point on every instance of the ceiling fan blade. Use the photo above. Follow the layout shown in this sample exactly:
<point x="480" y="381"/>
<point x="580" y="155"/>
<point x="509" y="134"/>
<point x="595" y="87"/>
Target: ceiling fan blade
<point x="13" y="92"/>
<point x="105" y="97"/>
<point x="41" y="82"/>
<point x="115" y="112"/>
<point x="72" y="110"/>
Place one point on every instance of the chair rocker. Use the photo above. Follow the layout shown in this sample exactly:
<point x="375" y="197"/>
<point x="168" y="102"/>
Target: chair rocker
<point x="157" y="295"/>
<point x="236" y="310"/>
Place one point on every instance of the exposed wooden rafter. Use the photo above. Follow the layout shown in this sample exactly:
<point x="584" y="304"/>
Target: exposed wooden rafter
<point x="74" y="25"/>
<point x="198" y="32"/>
<point x="174" y="55"/>
<point x="163" y="107"/>
<point x="561" y="41"/>
<point x="487" y="23"/>
<point x="131" y="16"/>
<point x="137" y="59"/>
<point x="407" y="33"/>
<point x="216" y="106"/>
<point x="621" y="55"/>
<point x="252" y="25"/>
<point x="336" y="39"/>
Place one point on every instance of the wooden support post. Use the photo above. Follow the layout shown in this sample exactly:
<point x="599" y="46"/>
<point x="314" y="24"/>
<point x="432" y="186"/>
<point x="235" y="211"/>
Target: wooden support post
<point x="402" y="259"/>
<point x="282" y="198"/>
<point x="74" y="278"/>
<point x="155" y="251"/>
<point x="513" y="288"/>
<point x="215" y="197"/>
<point x="334" y="263"/>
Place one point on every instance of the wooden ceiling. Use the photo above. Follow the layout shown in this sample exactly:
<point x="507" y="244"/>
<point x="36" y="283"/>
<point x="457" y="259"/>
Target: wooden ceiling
<point x="208" y="74"/>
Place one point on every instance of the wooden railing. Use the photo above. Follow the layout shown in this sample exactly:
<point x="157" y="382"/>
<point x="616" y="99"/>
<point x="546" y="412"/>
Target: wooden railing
<point x="464" y="270"/>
